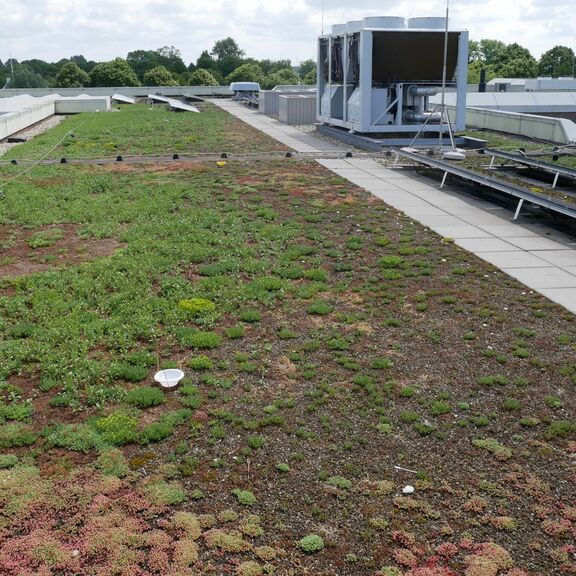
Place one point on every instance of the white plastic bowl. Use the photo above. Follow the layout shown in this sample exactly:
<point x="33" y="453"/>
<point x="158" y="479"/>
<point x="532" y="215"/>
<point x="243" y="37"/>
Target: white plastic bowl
<point x="169" y="378"/>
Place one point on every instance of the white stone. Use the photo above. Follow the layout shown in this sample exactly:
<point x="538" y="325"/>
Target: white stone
<point x="408" y="490"/>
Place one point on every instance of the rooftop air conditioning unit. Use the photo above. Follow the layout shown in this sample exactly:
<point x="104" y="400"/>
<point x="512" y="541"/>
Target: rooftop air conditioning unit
<point x="376" y="75"/>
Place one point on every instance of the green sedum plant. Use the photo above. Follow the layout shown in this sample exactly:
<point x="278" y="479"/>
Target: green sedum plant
<point x="118" y="428"/>
<point x="311" y="544"/>
<point x="145" y="397"/>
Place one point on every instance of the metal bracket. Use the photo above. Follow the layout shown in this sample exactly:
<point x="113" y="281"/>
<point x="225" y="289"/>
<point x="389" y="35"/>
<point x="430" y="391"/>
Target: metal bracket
<point x="556" y="180"/>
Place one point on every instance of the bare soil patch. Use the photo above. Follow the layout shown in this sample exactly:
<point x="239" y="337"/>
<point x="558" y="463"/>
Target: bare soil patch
<point x="27" y="251"/>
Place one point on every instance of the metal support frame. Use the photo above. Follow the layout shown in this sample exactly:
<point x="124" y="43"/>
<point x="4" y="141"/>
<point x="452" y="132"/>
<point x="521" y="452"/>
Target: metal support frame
<point x="524" y="160"/>
<point x="518" y="208"/>
<point x="444" y="179"/>
<point x="512" y="190"/>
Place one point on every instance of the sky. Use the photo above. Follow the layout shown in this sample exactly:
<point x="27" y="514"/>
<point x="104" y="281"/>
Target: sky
<point x="275" y="29"/>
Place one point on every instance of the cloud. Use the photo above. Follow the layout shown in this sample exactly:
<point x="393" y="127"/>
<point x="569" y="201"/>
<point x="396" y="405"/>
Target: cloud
<point x="54" y="29"/>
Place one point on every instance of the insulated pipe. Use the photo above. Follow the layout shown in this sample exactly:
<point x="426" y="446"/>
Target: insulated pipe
<point x="420" y="117"/>
<point x="422" y="91"/>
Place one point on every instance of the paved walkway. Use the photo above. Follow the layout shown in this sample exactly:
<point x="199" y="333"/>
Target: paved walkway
<point x="292" y="137"/>
<point x="540" y="257"/>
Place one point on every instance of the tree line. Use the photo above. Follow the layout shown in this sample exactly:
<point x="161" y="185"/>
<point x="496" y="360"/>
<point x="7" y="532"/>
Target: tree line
<point x="501" y="60"/>
<point x="226" y="63"/>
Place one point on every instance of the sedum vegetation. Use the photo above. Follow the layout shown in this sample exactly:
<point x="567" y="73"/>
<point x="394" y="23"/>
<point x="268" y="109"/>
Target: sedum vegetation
<point x="335" y="351"/>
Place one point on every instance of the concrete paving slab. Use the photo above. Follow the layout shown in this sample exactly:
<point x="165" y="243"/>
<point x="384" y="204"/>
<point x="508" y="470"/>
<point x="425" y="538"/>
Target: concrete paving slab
<point x="536" y="243"/>
<point x="507" y="230"/>
<point x="419" y="212"/>
<point x="539" y="278"/>
<point x="330" y="163"/>
<point x="443" y="220"/>
<point x="564" y="296"/>
<point x="402" y="200"/>
<point x="292" y="137"/>
<point x="461" y="232"/>
<point x="562" y="258"/>
<point x="388" y="186"/>
<point x="478" y="218"/>
<point x="484" y="245"/>
<point x="394" y="199"/>
<point x="363" y="180"/>
<point x="514" y="259"/>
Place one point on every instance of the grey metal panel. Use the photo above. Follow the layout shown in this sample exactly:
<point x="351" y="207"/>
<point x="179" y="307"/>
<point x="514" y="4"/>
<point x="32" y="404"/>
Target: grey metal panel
<point x="297" y="110"/>
<point x="270" y="99"/>
<point x="159" y="98"/>
<point x="177" y="105"/>
<point x="123" y="99"/>
<point x="173" y="103"/>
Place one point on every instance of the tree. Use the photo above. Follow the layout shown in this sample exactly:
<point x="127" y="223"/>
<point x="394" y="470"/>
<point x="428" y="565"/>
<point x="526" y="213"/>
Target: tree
<point x="201" y="77"/>
<point x="44" y="69"/>
<point x="206" y="61"/>
<point x="474" y="70"/>
<point x="226" y="47"/>
<point x="306" y="67"/>
<point x="246" y="73"/>
<point x="515" y="61"/>
<point x="310" y="78"/>
<point x="284" y="76"/>
<point x="72" y="76"/>
<point x="171" y="58"/>
<point x="117" y="72"/>
<point x="491" y="50"/>
<point x="159" y="76"/>
<point x="25" y="77"/>
<point x="474" y="52"/>
<point x="86" y="65"/>
<point x="227" y="55"/>
<point x="513" y="52"/>
<point x="143" y="60"/>
<point x="271" y="66"/>
<point x="519" y="68"/>
<point x="558" y="61"/>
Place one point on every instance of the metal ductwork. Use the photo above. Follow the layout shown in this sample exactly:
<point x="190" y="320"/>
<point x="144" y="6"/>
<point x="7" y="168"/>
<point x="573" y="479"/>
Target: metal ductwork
<point x="421" y="117"/>
<point x="422" y="91"/>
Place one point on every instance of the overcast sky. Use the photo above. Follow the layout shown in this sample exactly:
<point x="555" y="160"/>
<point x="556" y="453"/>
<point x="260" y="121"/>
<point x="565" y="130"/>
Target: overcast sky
<point x="102" y="29"/>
